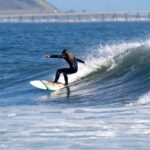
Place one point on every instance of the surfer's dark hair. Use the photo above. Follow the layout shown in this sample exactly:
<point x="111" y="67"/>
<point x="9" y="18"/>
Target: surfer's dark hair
<point x="64" y="51"/>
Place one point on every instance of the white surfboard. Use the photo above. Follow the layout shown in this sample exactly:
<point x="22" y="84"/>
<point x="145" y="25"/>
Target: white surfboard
<point x="45" y="85"/>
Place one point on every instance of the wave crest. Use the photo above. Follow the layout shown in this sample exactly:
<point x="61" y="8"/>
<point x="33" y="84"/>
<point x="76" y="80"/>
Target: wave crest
<point x="109" y="56"/>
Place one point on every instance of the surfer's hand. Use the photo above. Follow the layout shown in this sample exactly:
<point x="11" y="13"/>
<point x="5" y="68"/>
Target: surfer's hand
<point x="47" y="56"/>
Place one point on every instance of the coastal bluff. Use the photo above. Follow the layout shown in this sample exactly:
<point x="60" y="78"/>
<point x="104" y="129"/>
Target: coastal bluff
<point x="26" y="7"/>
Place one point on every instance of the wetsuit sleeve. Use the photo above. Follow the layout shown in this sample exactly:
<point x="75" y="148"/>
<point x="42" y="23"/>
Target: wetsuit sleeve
<point x="79" y="60"/>
<point x="57" y="56"/>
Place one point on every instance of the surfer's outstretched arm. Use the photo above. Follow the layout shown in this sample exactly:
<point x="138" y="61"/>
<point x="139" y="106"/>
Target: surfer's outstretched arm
<point x="81" y="61"/>
<point x="54" y="56"/>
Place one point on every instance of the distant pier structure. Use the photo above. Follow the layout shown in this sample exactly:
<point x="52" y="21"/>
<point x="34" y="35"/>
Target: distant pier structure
<point x="76" y="17"/>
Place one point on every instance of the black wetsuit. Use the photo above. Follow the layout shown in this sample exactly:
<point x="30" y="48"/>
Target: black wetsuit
<point x="72" y="61"/>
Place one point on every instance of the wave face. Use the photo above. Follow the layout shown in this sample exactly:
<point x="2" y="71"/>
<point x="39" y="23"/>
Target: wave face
<point x="119" y="67"/>
<point x="108" y="98"/>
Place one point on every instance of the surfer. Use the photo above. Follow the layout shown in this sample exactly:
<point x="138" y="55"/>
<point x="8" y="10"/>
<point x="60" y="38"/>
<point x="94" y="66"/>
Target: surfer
<point x="71" y="60"/>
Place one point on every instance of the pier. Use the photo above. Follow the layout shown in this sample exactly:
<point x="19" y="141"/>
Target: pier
<point x="76" y="17"/>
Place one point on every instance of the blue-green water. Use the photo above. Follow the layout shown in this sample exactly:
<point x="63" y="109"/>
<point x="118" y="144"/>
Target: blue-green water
<point x="107" y="104"/>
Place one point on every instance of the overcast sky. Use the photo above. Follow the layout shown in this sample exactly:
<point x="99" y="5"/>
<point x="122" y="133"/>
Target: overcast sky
<point x="102" y="5"/>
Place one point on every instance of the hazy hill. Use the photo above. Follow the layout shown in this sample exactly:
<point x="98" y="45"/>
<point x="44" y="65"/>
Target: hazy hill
<point x="26" y="6"/>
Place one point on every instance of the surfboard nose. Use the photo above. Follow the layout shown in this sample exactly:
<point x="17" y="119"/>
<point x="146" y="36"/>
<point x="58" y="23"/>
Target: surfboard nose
<point x="38" y="84"/>
<point x="45" y="85"/>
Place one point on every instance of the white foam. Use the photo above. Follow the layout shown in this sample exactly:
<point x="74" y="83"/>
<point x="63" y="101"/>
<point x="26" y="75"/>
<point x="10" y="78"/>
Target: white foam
<point x="107" y="56"/>
<point x="144" y="99"/>
<point x="12" y="115"/>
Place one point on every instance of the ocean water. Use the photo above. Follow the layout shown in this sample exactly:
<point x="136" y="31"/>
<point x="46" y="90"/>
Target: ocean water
<point x="107" y="103"/>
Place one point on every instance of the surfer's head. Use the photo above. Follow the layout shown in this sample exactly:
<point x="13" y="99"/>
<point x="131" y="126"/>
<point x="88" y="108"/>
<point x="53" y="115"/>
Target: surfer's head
<point x="64" y="51"/>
